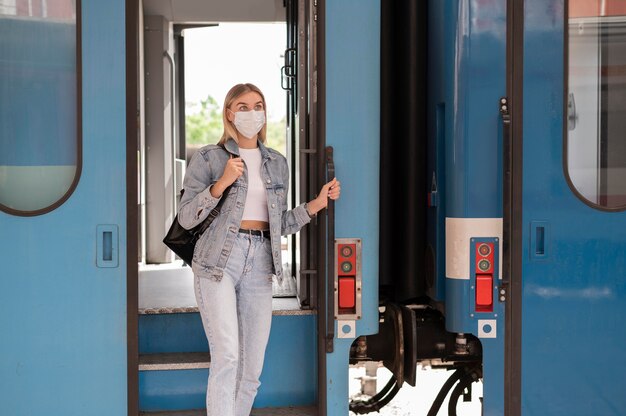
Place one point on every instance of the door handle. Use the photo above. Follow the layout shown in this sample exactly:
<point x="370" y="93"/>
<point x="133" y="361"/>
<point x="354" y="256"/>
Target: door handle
<point x="330" y="247"/>
<point x="539" y="240"/>
<point x="288" y="70"/>
<point x="107" y="246"/>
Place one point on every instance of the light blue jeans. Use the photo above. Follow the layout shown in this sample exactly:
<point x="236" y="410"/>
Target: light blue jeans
<point x="237" y="313"/>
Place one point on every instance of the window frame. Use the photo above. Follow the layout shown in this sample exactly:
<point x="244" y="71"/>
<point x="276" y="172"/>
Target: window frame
<point x="565" y="138"/>
<point x="79" y="132"/>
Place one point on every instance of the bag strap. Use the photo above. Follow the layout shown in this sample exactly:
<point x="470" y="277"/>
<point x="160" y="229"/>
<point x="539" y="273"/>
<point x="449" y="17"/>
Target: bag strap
<point x="215" y="211"/>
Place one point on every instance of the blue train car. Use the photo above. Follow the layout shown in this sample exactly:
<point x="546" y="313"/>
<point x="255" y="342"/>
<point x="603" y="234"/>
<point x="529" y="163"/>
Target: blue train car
<point x="482" y="227"/>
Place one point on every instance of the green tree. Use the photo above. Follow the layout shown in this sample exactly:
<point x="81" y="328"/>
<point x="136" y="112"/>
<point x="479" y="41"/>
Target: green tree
<point x="203" y="126"/>
<point x="276" y="135"/>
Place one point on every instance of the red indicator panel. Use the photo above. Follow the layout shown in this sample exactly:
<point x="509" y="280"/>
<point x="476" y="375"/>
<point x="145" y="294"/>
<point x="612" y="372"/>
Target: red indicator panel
<point x="347" y="278"/>
<point x="484" y="293"/>
<point x="347" y="292"/>
<point x="484" y="258"/>
<point x="346" y="260"/>
<point x="484" y="277"/>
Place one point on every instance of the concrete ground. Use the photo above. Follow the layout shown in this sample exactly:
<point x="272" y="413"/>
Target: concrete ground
<point x="416" y="401"/>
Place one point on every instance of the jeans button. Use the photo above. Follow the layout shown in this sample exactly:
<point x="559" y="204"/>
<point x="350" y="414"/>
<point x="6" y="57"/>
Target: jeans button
<point x="273" y="205"/>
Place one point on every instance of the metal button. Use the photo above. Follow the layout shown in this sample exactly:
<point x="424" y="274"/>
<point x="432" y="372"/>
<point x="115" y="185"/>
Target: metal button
<point x="273" y="205"/>
<point x="268" y="180"/>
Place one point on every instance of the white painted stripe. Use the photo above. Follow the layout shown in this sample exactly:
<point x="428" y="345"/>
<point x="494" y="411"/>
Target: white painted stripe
<point x="459" y="231"/>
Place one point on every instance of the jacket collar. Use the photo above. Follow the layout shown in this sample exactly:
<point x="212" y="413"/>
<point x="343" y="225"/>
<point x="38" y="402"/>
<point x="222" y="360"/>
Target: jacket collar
<point x="265" y="154"/>
<point x="232" y="147"/>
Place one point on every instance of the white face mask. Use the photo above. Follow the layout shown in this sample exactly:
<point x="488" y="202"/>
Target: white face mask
<point x="249" y="123"/>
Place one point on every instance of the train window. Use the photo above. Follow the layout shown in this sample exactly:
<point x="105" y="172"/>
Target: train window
<point x="595" y="107"/>
<point x="39" y="96"/>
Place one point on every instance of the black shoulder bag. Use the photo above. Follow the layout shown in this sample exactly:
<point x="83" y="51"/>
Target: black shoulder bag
<point x="182" y="241"/>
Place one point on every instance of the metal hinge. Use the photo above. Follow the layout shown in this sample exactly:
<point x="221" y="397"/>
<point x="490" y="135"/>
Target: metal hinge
<point x="505" y="110"/>
<point x="503" y="292"/>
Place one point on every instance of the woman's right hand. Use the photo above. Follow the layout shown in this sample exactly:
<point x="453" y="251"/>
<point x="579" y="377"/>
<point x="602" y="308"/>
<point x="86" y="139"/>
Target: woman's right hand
<point x="232" y="171"/>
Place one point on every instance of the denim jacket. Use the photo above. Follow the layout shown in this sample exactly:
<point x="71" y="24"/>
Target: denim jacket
<point x="214" y="246"/>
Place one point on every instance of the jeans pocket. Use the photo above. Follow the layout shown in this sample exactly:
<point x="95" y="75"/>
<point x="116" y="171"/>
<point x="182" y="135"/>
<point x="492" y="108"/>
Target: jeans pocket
<point x="237" y="252"/>
<point x="263" y="262"/>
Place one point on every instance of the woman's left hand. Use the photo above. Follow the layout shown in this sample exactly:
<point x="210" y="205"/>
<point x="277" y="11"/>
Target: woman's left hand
<point x="330" y="190"/>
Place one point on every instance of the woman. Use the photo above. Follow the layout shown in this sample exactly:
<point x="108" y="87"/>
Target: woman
<point x="235" y="258"/>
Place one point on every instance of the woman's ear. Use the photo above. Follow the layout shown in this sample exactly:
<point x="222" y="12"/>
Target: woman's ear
<point x="230" y="116"/>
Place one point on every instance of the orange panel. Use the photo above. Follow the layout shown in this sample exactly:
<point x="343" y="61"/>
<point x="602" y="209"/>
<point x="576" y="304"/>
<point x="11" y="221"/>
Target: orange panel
<point x="584" y="8"/>
<point x="615" y="8"/>
<point x="594" y="8"/>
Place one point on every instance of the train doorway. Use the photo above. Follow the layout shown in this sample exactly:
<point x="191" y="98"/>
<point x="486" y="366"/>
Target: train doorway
<point x="172" y="349"/>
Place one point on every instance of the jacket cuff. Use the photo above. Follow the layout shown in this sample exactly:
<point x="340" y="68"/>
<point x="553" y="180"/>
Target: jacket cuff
<point x="302" y="216"/>
<point x="206" y="200"/>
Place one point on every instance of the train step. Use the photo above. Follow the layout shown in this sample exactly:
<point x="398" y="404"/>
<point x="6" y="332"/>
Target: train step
<point x="174" y="361"/>
<point x="268" y="411"/>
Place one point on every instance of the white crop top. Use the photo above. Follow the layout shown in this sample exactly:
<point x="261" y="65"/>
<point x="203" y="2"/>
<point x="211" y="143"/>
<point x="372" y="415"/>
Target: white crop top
<point x="256" y="199"/>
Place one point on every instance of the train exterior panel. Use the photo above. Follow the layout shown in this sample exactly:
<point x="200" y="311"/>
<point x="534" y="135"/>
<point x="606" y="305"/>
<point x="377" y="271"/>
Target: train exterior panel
<point x="63" y="317"/>
<point x="573" y="274"/>
<point x="467" y="78"/>
<point x="353" y="130"/>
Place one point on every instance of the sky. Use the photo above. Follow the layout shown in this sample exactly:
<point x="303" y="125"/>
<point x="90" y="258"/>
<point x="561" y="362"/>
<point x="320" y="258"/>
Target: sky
<point x="216" y="58"/>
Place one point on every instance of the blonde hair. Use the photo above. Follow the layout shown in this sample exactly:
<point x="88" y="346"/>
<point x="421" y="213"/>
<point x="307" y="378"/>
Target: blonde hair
<point x="229" y="128"/>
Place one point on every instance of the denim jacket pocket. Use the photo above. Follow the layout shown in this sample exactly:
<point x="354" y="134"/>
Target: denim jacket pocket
<point x="202" y="253"/>
<point x="281" y="197"/>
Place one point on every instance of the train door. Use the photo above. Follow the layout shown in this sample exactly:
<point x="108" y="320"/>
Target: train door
<point x="348" y="87"/>
<point x="569" y="224"/>
<point x="298" y="76"/>
<point x="63" y="217"/>
<point x="173" y="353"/>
